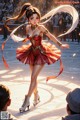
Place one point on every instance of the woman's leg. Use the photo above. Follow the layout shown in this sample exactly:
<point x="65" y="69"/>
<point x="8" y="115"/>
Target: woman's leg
<point x="35" y="72"/>
<point x="35" y="89"/>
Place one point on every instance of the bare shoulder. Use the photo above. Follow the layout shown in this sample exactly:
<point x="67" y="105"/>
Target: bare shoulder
<point x="42" y="28"/>
<point x="28" y="27"/>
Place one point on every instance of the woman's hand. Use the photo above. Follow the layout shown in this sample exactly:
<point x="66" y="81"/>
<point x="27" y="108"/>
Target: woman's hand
<point x="64" y="46"/>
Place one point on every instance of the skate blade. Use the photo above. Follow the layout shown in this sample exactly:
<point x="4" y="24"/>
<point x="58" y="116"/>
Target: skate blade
<point x="22" y="111"/>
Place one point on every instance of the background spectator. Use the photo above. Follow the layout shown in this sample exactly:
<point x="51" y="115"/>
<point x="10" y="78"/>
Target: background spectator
<point x="5" y="102"/>
<point x="73" y="105"/>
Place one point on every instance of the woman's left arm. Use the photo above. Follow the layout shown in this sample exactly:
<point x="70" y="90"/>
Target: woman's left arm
<point x="53" y="38"/>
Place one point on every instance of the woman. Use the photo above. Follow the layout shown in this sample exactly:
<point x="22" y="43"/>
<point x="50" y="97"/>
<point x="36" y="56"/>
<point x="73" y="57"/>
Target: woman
<point x="37" y="54"/>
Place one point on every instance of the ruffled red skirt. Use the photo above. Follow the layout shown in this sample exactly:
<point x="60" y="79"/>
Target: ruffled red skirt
<point x="45" y="53"/>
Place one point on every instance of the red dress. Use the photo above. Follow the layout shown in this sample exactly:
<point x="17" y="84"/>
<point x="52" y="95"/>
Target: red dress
<point x="39" y="53"/>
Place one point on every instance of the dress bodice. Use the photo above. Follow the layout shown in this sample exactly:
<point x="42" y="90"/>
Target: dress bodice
<point x="35" y="40"/>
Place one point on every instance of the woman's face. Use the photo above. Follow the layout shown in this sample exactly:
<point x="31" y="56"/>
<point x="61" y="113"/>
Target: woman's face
<point x="34" y="19"/>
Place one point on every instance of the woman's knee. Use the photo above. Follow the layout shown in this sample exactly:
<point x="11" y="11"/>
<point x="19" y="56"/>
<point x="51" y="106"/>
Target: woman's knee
<point x="33" y="78"/>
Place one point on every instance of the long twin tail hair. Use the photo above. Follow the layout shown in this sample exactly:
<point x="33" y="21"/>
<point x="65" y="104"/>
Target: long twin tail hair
<point x="47" y="17"/>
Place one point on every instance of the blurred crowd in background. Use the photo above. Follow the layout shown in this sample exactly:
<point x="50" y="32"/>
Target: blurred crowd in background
<point x="57" y="25"/>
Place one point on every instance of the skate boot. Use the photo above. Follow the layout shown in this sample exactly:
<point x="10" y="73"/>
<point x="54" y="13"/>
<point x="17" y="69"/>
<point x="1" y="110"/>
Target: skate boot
<point x="36" y="99"/>
<point x="26" y="104"/>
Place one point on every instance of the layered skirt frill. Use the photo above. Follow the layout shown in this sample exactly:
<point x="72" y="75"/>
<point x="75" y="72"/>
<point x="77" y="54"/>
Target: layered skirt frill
<point x="45" y="53"/>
